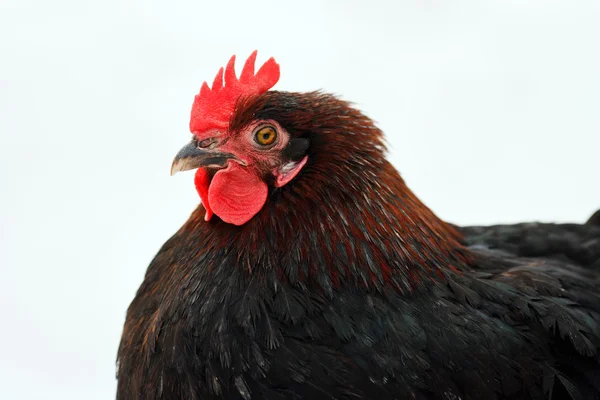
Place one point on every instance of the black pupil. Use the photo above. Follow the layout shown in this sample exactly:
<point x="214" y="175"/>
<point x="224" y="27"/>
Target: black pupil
<point x="266" y="135"/>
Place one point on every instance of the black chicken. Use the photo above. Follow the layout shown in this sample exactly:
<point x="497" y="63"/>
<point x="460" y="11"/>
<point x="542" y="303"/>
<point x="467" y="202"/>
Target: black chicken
<point x="311" y="271"/>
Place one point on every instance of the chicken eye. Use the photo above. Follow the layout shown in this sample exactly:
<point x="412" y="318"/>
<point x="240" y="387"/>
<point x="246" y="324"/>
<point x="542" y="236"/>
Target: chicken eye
<point x="265" y="136"/>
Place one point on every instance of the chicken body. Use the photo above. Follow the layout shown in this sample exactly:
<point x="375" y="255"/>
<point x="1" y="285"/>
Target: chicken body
<point x="345" y="286"/>
<point x="511" y="328"/>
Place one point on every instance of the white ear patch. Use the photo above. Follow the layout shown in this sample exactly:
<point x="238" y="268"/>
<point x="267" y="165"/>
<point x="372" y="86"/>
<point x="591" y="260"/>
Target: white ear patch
<point x="288" y="171"/>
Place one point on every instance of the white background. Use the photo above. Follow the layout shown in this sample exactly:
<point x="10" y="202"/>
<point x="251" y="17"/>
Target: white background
<point x="491" y="108"/>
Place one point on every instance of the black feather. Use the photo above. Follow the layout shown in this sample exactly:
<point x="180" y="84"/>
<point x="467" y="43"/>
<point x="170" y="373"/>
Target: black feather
<point x="345" y="286"/>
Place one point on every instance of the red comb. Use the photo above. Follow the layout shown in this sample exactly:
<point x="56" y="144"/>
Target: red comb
<point x="213" y="108"/>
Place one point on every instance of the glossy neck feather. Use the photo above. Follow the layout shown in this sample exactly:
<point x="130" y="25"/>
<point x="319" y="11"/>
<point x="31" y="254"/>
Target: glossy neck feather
<point x="377" y="236"/>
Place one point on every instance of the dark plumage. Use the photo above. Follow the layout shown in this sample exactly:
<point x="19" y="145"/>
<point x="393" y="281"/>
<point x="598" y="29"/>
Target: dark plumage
<point x="344" y="285"/>
<point x="594" y="219"/>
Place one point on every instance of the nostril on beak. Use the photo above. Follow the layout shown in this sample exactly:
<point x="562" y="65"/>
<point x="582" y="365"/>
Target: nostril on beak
<point x="210" y="142"/>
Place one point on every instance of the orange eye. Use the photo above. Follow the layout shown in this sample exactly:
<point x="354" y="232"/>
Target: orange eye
<point x="266" y="136"/>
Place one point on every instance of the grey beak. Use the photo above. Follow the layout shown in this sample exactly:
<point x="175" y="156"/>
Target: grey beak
<point x="192" y="157"/>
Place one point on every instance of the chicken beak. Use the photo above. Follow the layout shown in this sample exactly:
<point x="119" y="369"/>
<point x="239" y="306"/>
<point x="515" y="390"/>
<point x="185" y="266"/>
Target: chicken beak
<point x="192" y="157"/>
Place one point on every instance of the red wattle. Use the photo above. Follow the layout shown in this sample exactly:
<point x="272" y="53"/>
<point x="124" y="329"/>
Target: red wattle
<point x="202" y="182"/>
<point x="236" y="195"/>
